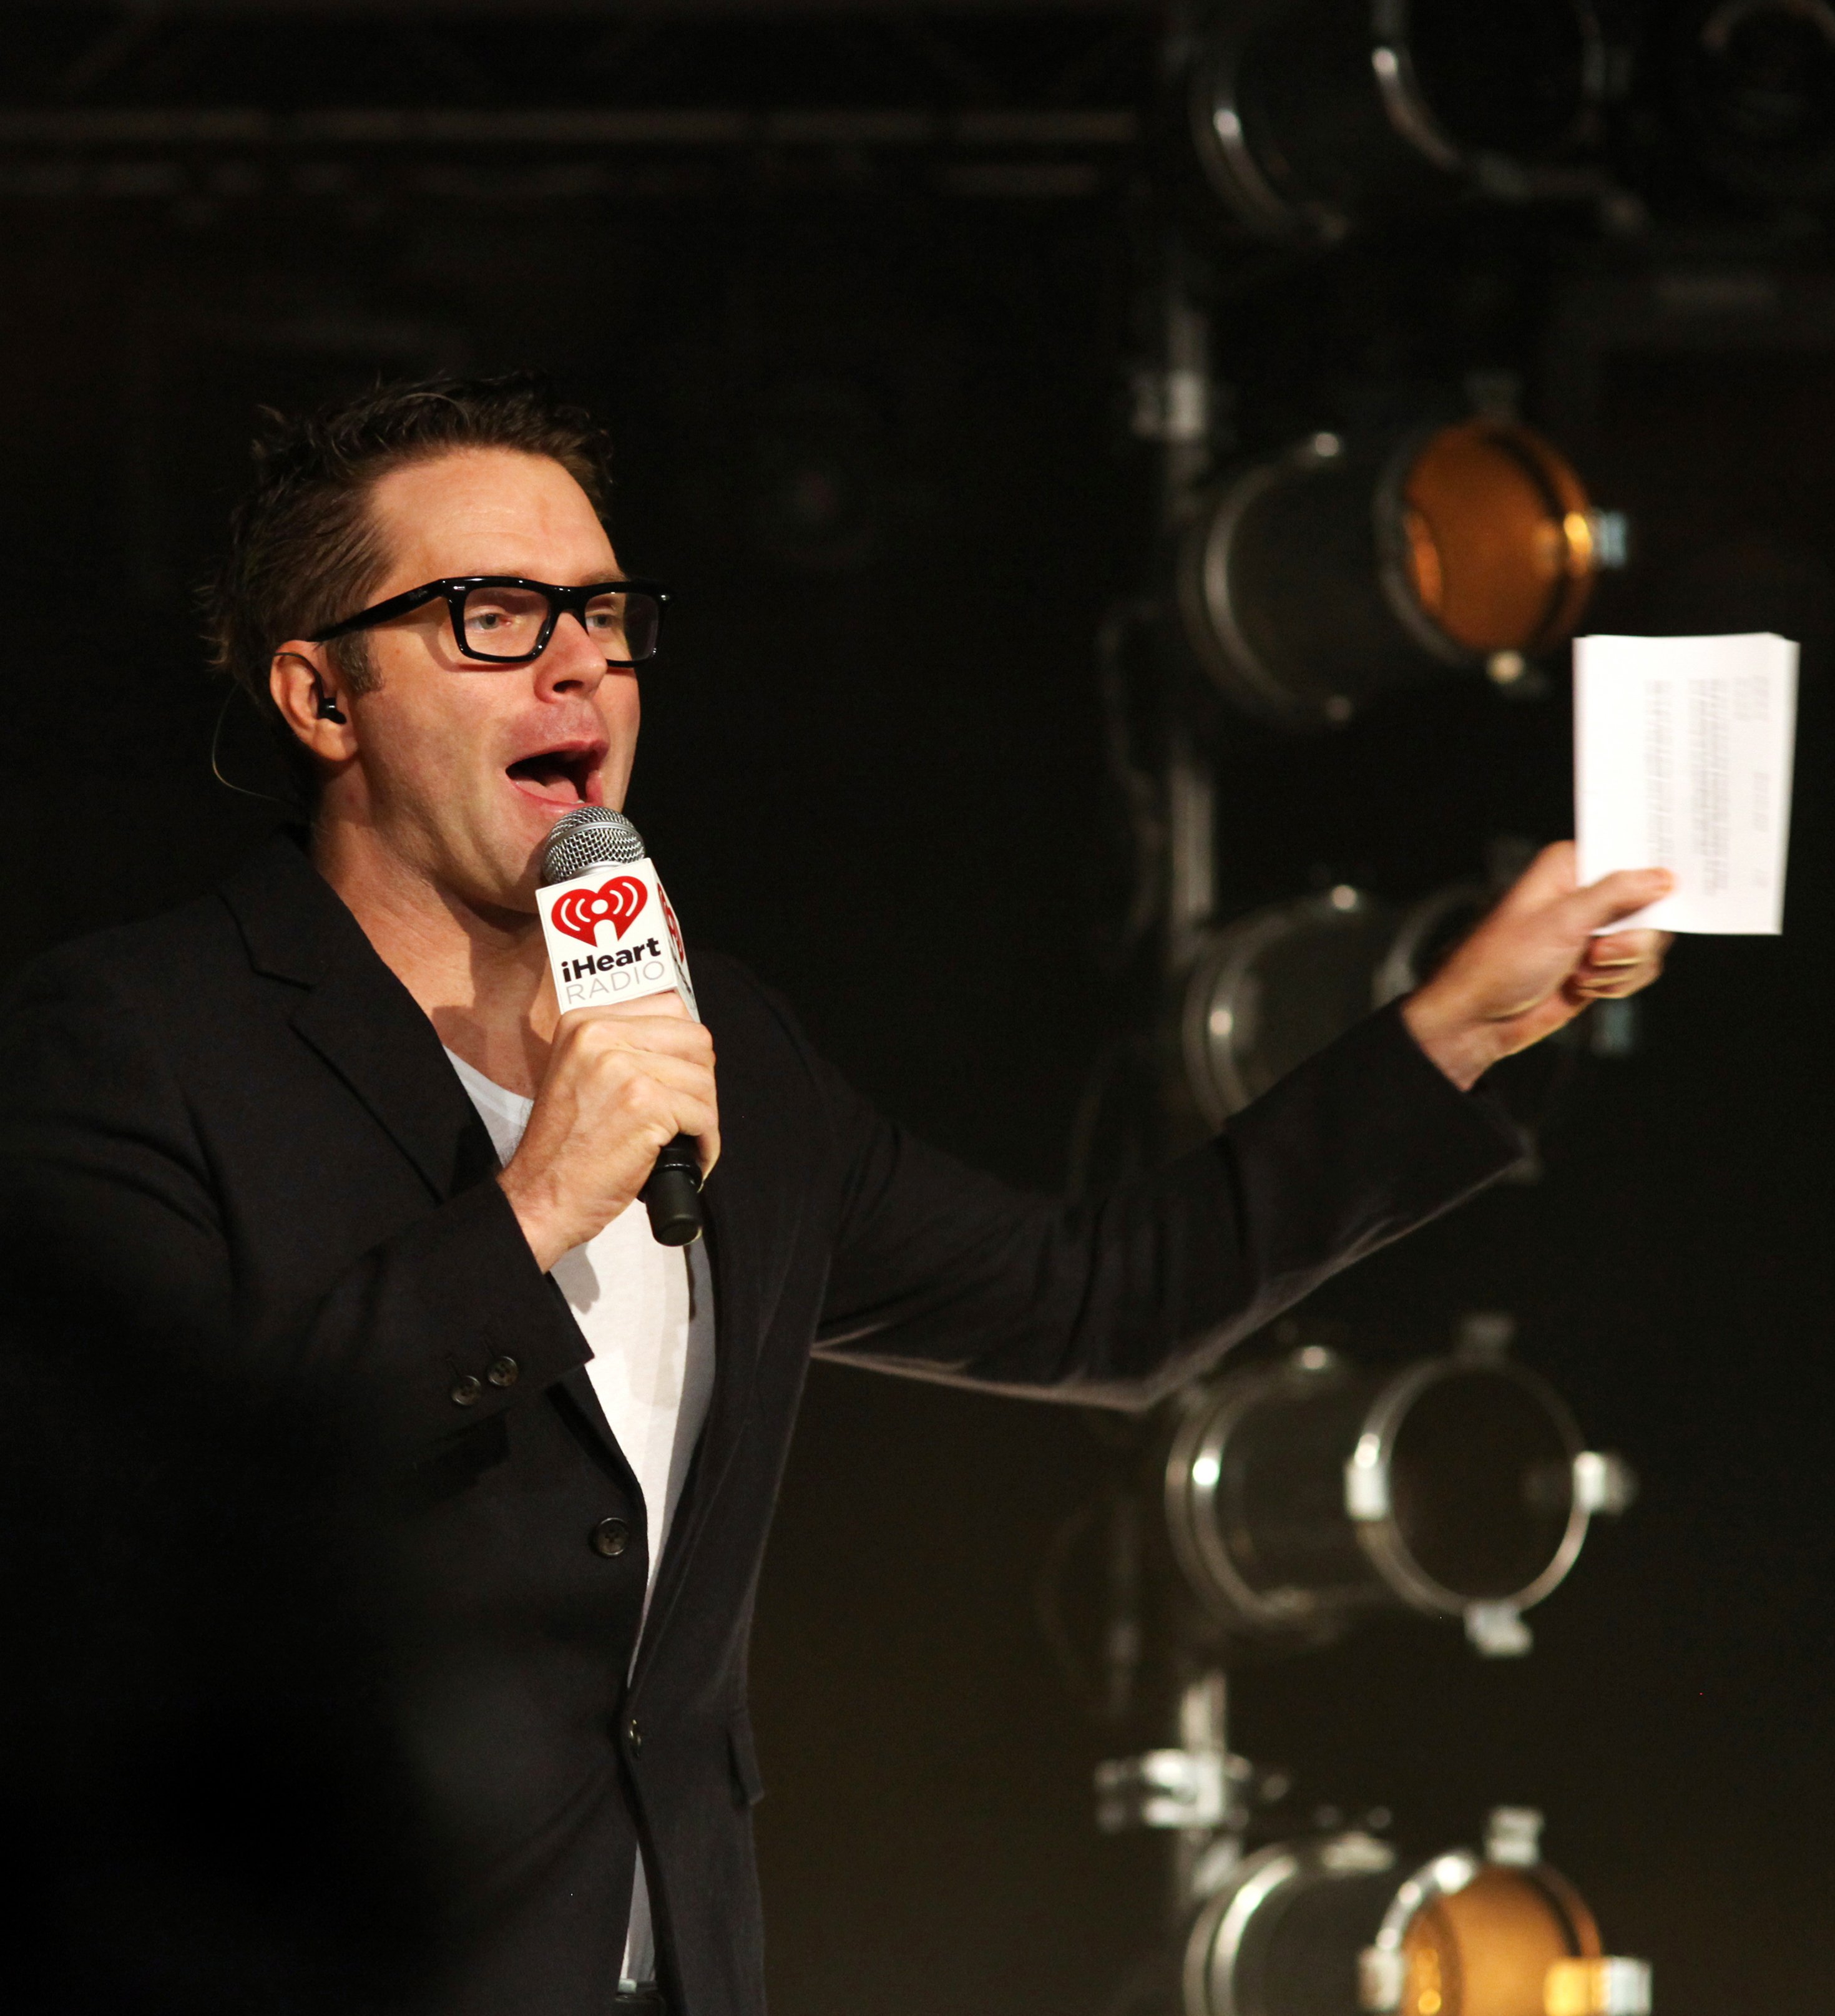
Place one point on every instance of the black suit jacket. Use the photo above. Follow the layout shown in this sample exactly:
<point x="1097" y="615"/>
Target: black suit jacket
<point x="232" y="1153"/>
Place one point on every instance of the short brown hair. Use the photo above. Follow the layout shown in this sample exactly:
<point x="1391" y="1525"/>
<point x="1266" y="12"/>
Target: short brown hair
<point x="303" y="550"/>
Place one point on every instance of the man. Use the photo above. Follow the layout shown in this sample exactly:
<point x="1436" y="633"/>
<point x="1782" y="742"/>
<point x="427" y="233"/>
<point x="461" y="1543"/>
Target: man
<point x="322" y="1136"/>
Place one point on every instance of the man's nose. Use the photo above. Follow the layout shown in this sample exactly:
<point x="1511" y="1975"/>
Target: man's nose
<point x="572" y="660"/>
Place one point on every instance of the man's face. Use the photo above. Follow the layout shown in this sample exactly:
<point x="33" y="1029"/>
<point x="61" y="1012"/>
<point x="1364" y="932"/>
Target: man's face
<point x="464" y="767"/>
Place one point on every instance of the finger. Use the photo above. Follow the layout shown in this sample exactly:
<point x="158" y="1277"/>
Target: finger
<point x="608" y="1036"/>
<point x="1613" y="897"/>
<point x="1622" y="948"/>
<point x="639" y="1076"/>
<point x="662" y="1111"/>
<point x="1614" y="984"/>
<point x="668" y="1003"/>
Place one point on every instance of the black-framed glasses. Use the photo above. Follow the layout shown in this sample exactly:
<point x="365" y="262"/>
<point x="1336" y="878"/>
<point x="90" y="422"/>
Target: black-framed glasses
<point x="502" y="619"/>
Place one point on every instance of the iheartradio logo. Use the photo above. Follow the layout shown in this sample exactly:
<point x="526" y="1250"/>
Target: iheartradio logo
<point x="642" y="961"/>
<point x="619" y="903"/>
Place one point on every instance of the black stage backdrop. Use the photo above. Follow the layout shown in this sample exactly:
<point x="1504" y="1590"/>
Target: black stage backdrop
<point x="872" y="438"/>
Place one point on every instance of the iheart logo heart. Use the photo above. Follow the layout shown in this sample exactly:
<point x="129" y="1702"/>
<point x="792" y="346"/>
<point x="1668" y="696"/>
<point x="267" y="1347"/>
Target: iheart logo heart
<point x="581" y="912"/>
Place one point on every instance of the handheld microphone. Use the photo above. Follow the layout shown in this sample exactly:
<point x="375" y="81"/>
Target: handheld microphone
<point x="633" y="948"/>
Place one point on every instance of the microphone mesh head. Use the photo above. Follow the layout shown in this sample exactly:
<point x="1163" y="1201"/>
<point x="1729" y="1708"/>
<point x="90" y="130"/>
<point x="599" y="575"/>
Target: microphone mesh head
<point x="581" y="840"/>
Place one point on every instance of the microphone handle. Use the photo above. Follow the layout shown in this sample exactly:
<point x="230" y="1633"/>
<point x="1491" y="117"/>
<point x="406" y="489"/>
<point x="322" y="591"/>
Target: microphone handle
<point x="672" y="1196"/>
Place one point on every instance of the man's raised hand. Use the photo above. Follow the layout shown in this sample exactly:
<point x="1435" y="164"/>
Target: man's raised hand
<point x="1534" y="963"/>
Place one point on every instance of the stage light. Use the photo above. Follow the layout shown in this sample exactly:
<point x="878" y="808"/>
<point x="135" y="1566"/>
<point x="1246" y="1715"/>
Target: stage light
<point x="1311" y="583"/>
<point x="1272" y="987"/>
<point x="1308" y="116"/>
<point x="1754" y="82"/>
<point x="1303" y="1494"/>
<point x="1324" y="1927"/>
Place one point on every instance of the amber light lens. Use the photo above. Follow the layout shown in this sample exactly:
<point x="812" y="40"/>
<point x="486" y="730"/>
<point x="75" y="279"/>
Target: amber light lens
<point x="1486" y="1950"/>
<point x="1499" y="536"/>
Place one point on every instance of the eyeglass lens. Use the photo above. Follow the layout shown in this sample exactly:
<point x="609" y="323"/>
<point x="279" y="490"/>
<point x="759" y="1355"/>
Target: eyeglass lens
<point x="507" y="623"/>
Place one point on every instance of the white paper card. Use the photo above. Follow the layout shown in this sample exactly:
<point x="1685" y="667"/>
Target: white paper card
<point x="612" y="936"/>
<point x="1682" y="751"/>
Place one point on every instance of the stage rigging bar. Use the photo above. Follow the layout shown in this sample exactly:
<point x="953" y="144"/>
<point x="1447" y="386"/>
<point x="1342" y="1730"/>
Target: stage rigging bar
<point x="85" y="128"/>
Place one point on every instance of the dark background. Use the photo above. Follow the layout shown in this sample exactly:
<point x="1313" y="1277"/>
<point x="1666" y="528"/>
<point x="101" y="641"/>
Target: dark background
<point x="869" y="398"/>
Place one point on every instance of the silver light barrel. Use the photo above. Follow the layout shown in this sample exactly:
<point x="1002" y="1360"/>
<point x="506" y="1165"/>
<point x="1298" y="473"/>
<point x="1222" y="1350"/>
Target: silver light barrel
<point x="1282" y="1937"/>
<point x="1268" y="989"/>
<point x="581" y="840"/>
<point x="1271" y="989"/>
<point x="1303" y="1494"/>
<point x="1287" y="591"/>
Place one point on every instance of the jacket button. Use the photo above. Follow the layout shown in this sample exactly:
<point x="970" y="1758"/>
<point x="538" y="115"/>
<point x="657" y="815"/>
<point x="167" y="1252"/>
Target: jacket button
<point x="465" y="1391"/>
<point x="611" y="1537"/>
<point x="503" y="1371"/>
<point x="634" y="1736"/>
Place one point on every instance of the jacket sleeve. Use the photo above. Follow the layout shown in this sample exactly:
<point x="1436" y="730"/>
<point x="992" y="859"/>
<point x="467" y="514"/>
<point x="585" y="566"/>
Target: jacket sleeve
<point x="946" y="1274"/>
<point x="112" y="1237"/>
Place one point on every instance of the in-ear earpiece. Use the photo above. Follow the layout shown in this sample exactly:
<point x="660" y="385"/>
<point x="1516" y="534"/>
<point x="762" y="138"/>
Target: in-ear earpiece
<point x="328" y="710"/>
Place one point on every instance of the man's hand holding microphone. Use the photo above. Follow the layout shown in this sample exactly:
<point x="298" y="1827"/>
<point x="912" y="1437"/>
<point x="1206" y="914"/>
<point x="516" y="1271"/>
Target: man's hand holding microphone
<point x="628" y="1107"/>
<point x="622" y="1082"/>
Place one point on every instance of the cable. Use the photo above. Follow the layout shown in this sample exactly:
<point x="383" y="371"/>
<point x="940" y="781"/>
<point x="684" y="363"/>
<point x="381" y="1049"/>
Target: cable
<point x="229" y="783"/>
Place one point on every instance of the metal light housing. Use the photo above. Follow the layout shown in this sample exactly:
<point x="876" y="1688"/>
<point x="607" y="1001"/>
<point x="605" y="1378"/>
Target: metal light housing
<point x="1330" y="1927"/>
<point x="1311" y="583"/>
<point x="1305" y="1494"/>
<point x="1754" y="82"/>
<point x="1309" y="116"/>
<point x="1268" y="989"/>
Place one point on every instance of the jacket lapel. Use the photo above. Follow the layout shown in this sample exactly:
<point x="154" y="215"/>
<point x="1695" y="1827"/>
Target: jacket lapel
<point x="354" y="1020"/>
<point x="358" y="1016"/>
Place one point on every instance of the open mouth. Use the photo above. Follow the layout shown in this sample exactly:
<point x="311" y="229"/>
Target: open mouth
<point x="559" y="777"/>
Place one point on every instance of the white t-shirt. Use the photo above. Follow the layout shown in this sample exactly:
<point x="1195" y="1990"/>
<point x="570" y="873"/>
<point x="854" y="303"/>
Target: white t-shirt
<point x="647" y="1312"/>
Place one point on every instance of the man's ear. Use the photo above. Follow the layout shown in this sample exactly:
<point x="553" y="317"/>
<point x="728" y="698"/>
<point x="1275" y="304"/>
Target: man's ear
<point x="312" y="701"/>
